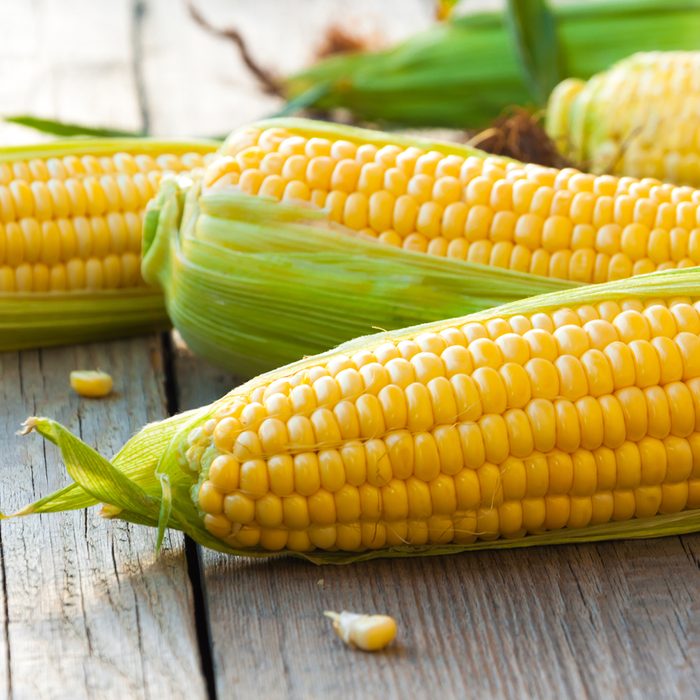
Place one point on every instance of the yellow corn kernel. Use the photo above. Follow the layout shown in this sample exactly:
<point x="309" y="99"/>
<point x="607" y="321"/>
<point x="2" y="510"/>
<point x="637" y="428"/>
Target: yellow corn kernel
<point x="469" y="207"/>
<point x="626" y="138"/>
<point x="93" y="384"/>
<point x="366" y="632"/>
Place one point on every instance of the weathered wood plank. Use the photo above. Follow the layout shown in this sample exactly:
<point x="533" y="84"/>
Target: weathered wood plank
<point x="613" y="619"/>
<point x="91" y="611"/>
<point x="541" y="623"/>
<point x="88" y="610"/>
<point x="67" y="61"/>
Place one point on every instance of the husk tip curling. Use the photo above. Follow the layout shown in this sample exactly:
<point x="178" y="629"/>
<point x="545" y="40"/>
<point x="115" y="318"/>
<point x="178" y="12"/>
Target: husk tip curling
<point x="28" y="426"/>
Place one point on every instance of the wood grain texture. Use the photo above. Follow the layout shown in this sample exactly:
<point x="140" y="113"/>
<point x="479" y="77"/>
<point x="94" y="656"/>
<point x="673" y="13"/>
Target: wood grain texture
<point x="91" y="611"/>
<point x="88" y="610"/>
<point x="591" y="621"/>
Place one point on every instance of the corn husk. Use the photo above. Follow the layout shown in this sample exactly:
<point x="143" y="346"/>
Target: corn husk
<point x="38" y="319"/>
<point x="34" y="320"/>
<point x="464" y="72"/>
<point x="145" y="484"/>
<point x="251" y="284"/>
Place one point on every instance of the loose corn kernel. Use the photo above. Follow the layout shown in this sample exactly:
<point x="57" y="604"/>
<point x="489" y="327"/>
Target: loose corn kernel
<point x="366" y="632"/>
<point x="93" y="384"/>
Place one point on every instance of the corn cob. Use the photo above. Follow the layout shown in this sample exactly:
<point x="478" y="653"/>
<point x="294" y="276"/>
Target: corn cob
<point x="566" y="417"/>
<point x="71" y="215"/>
<point x="449" y="200"/>
<point x="464" y="72"/>
<point x="639" y="118"/>
<point x="70" y="227"/>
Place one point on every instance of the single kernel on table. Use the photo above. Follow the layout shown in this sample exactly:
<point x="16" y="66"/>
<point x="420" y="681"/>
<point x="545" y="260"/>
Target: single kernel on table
<point x="91" y="383"/>
<point x="366" y="632"/>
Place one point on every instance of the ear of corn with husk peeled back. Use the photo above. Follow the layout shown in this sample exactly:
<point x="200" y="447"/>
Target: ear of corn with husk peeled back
<point x="238" y="270"/>
<point x="568" y="417"/>
<point x="71" y="215"/>
<point x="639" y="118"/>
<point x="465" y="72"/>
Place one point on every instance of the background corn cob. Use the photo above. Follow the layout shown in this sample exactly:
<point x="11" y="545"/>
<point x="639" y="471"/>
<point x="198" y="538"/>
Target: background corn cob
<point x="464" y="72"/>
<point x="567" y="417"/>
<point x="449" y="200"/>
<point x="70" y="234"/>
<point x="639" y="118"/>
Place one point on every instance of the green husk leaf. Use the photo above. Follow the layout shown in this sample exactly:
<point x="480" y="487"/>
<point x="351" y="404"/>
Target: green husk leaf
<point x="138" y="460"/>
<point x="92" y="472"/>
<point x="304" y="100"/>
<point x="59" y="128"/>
<point x="133" y="482"/>
<point x="463" y="73"/>
<point x="105" y="147"/>
<point x="674" y="283"/>
<point x="35" y="319"/>
<point x="74" y="130"/>
<point x="532" y="28"/>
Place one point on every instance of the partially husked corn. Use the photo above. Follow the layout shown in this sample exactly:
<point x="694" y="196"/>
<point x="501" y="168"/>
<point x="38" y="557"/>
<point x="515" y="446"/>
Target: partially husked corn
<point x="73" y="222"/>
<point x="465" y="204"/>
<point x="638" y="118"/>
<point x="459" y="433"/>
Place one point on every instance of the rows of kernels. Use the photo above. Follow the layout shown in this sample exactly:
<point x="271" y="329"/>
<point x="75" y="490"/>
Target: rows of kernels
<point x="487" y="210"/>
<point x="85" y="186"/>
<point x="75" y="222"/>
<point x="515" y="425"/>
<point x="110" y="272"/>
<point x="79" y="167"/>
<point x="60" y="240"/>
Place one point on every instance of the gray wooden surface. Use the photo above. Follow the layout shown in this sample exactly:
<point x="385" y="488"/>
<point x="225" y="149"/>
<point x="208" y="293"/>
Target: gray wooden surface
<point x="88" y="611"/>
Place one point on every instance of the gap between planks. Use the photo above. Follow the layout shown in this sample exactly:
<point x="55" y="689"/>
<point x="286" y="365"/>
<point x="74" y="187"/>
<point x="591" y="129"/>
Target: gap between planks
<point x="192" y="554"/>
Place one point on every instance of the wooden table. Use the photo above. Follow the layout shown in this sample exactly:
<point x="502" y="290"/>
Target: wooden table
<point x="89" y="610"/>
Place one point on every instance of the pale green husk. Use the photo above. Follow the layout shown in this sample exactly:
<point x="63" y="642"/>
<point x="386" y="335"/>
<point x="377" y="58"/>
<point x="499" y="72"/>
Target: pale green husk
<point x="36" y="319"/>
<point x="249" y="285"/>
<point x="465" y="72"/>
<point x="145" y="484"/>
